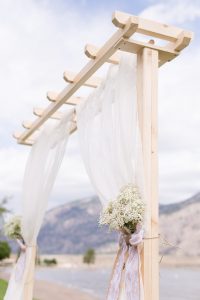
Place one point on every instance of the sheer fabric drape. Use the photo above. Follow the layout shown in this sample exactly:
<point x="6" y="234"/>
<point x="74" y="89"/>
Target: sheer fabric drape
<point x="41" y="170"/>
<point x="110" y="140"/>
<point x="109" y="132"/>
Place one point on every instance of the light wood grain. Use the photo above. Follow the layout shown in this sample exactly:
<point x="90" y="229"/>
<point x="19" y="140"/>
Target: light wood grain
<point x="52" y="96"/>
<point x="91" y="51"/>
<point x="93" y="82"/>
<point x="149" y="27"/>
<point x="40" y="112"/>
<point x="147" y="107"/>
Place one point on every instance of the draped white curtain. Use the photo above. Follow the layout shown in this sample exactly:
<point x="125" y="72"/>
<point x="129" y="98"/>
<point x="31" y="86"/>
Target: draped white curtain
<point x="40" y="174"/>
<point x="109" y="132"/>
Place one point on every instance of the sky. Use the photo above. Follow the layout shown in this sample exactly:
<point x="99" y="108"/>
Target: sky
<point x="42" y="39"/>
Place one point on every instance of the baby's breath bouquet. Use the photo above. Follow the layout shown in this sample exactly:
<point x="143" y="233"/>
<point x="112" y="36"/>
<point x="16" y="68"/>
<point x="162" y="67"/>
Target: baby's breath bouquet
<point x="12" y="228"/>
<point x="125" y="212"/>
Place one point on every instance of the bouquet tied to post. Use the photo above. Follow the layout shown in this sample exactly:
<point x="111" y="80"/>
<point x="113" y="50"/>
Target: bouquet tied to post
<point x="126" y="215"/>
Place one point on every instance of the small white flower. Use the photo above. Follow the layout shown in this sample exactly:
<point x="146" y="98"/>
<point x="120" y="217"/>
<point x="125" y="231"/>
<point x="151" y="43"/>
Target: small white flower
<point x="126" y="211"/>
<point x="12" y="228"/>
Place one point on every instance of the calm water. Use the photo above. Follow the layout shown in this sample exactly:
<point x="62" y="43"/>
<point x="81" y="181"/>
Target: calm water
<point x="175" y="283"/>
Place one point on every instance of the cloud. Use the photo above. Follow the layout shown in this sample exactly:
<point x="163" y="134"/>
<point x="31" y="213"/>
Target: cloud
<point x="170" y="11"/>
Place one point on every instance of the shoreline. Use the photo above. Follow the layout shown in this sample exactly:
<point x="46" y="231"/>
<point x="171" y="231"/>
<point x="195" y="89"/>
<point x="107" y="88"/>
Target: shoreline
<point x="103" y="261"/>
<point x="46" y="290"/>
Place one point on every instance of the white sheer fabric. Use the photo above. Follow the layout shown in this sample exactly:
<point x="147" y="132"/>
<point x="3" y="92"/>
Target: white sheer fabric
<point x="109" y="132"/>
<point x="109" y="135"/>
<point x="41" y="170"/>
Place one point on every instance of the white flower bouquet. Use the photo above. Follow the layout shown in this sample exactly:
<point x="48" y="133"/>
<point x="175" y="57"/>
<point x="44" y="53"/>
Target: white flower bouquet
<point x="12" y="228"/>
<point x="126" y="212"/>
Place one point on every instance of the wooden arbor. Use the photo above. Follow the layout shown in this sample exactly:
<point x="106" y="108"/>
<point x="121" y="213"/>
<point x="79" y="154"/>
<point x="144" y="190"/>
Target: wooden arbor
<point x="150" y="56"/>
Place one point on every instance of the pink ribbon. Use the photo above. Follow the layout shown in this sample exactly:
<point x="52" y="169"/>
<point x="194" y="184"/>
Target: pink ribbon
<point x="132" y="266"/>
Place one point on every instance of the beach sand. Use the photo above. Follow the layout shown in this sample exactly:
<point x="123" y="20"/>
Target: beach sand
<point x="44" y="290"/>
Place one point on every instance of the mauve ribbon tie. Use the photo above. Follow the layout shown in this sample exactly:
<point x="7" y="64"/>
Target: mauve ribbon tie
<point x="132" y="266"/>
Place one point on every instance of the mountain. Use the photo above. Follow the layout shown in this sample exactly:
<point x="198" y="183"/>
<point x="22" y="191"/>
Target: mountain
<point x="180" y="225"/>
<point x="73" y="228"/>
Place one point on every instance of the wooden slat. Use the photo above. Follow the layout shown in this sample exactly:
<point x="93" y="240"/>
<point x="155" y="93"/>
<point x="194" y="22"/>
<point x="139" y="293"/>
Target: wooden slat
<point x="183" y="41"/>
<point x="28" y="142"/>
<point x="147" y="81"/>
<point x="40" y="112"/>
<point x="91" y="67"/>
<point x="133" y="46"/>
<point x="91" y="51"/>
<point x="27" y="124"/>
<point x="91" y="82"/>
<point x="52" y="96"/>
<point x="148" y="27"/>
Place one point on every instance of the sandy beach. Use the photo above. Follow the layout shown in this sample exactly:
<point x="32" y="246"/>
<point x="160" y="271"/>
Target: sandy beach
<point x="44" y="290"/>
<point x="73" y="280"/>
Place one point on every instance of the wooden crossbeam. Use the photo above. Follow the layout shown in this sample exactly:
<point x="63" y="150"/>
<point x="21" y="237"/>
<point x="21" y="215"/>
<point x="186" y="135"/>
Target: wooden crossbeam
<point x="52" y="96"/>
<point x="91" y="82"/>
<point x="165" y="53"/>
<point x="91" y="51"/>
<point x="132" y="46"/>
<point x="27" y="124"/>
<point x="183" y="41"/>
<point x="40" y="112"/>
<point x="28" y="142"/>
<point x="151" y="28"/>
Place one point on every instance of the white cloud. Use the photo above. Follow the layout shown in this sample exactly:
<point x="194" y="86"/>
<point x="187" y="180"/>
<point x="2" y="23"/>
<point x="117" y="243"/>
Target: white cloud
<point x="171" y="11"/>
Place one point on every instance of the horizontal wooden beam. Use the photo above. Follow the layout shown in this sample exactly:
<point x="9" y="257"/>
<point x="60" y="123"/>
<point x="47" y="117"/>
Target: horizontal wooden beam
<point x="91" y="51"/>
<point x="91" y="67"/>
<point x="91" y="82"/>
<point x="133" y="46"/>
<point x="182" y="42"/>
<point x="151" y="28"/>
<point x="28" y="142"/>
<point x="27" y="124"/>
<point x="40" y="112"/>
<point x="52" y="96"/>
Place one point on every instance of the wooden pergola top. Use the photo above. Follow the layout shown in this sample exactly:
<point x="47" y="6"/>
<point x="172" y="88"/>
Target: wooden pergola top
<point x="176" y="40"/>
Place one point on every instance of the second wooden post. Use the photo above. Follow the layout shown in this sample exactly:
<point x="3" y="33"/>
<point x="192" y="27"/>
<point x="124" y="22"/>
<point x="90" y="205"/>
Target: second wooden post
<point x="147" y="79"/>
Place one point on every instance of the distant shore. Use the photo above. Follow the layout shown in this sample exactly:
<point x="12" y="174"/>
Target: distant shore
<point x="107" y="260"/>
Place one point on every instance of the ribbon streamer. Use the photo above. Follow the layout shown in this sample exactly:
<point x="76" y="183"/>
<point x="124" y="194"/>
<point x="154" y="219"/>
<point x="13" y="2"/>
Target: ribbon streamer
<point x="132" y="268"/>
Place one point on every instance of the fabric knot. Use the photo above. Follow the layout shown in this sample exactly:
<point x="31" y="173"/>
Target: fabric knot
<point x="136" y="238"/>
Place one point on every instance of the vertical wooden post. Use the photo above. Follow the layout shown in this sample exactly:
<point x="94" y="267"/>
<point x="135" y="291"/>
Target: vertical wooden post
<point x="147" y="78"/>
<point x="29" y="282"/>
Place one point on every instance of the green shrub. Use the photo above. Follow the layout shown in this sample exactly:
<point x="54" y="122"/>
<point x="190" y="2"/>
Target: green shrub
<point x="3" y="287"/>
<point x="89" y="256"/>
<point x="4" y="250"/>
<point x="50" y="262"/>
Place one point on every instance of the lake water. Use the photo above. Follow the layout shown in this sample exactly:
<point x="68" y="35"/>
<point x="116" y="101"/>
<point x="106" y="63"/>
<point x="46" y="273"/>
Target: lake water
<point x="175" y="283"/>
